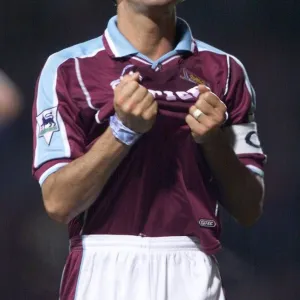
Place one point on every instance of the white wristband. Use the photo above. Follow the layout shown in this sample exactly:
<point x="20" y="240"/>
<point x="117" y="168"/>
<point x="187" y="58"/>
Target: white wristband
<point x="123" y="133"/>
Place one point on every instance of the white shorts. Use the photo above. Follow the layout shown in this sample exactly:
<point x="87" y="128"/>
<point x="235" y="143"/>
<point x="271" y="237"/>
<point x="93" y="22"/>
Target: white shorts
<point x="141" y="268"/>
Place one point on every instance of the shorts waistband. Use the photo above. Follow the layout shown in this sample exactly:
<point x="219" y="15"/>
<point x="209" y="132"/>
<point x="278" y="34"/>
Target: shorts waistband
<point x="136" y="242"/>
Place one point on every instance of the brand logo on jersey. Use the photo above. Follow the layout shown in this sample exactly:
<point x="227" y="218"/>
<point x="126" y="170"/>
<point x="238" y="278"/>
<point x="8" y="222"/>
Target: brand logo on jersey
<point x="47" y="122"/>
<point x="252" y="139"/>
<point x="207" y="223"/>
<point x="190" y="95"/>
<point x="191" y="77"/>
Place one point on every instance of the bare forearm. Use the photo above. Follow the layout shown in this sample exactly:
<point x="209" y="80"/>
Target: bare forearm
<point x="241" y="190"/>
<point x="75" y="187"/>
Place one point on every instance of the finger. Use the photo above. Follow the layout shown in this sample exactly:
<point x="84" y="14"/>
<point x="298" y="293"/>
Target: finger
<point x="195" y="126"/>
<point x="205" y="107"/>
<point x="143" y="105"/>
<point x="126" y="79"/>
<point x="214" y="101"/>
<point x="131" y="77"/>
<point x="212" y="106"/>
<point x="192" y="111"/>
<point x="137" y="97"/>
<point x="125" y="93"/>
<point x="203" y="89"/>
<point x="207" y="118"/>
<point x="151" y="111"/>
<point x="211" y="99"/>
<point x="222" y="107"/>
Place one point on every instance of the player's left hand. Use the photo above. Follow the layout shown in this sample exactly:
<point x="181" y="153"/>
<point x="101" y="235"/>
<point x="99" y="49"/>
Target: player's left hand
<point x="207" y="115"/>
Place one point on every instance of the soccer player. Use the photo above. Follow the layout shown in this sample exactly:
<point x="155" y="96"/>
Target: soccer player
<point x="139" y="135"/>
<point x="10" y="104"/>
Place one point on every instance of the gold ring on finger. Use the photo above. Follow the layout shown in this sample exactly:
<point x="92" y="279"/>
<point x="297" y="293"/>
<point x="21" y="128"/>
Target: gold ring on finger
<point x="197" y="113"/>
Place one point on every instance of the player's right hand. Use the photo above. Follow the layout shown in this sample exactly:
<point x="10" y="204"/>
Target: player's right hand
<point x="134" y="105"/>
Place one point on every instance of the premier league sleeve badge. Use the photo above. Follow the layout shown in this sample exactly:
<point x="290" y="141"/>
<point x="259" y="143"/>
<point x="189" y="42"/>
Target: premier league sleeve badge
<point x="47" y="122"/>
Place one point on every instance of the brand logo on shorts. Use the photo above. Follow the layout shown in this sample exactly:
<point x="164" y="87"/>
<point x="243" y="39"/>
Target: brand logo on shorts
<point x="207" y="223"/>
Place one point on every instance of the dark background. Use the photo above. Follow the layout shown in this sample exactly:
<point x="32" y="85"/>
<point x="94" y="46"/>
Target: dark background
<point x="261" y="263"/>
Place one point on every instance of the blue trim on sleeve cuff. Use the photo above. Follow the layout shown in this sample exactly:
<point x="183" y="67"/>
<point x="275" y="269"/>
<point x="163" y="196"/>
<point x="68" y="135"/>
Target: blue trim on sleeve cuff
<point x="256" y="170"/>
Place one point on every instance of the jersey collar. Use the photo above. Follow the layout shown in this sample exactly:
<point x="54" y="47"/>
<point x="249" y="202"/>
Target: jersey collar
<point x="118" y="46"/>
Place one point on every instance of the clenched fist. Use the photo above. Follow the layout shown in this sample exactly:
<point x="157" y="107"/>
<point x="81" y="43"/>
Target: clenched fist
<point x="206" y="116"/>
<point x="134" y="105"/>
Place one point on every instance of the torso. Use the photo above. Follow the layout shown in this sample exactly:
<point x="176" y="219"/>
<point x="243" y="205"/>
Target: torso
<point x="163" y="187"/>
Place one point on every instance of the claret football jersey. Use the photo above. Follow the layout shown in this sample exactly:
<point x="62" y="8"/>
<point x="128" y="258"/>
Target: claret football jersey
<point x="164" y="186"/>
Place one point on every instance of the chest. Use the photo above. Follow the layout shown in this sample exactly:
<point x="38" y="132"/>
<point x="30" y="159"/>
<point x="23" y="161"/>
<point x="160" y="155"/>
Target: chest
<point x="173" y="85"/>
